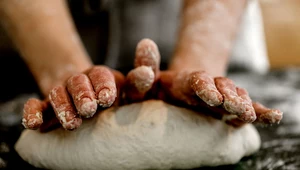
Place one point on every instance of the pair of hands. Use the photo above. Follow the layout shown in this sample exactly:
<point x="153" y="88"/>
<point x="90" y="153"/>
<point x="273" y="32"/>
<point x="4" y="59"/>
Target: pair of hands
<point x="101" y="87"/>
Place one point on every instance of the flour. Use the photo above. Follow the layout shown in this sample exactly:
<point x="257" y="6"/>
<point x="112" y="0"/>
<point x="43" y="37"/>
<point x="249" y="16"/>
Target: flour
<point x="147" y="135"/>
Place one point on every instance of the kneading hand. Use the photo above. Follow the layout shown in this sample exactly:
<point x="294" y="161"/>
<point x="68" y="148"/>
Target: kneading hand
<point x="78" y="98"/>
<point x="197" y="90"/>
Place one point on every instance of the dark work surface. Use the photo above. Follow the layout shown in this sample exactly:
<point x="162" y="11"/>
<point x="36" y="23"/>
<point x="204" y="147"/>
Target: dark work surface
<point x="280" y="149"/>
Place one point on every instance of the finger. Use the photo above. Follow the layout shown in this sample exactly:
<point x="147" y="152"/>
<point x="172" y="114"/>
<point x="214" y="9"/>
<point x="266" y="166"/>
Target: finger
<point x="138" y="82"/>
<point x="104" y="85"/>
<point x="204" y="86"/>
<point x="33" y="113"/>
<point x="249" y="115"/>
<point x="147" y="54"/>
<point x="266" y="115"/>
<point x="83" y="95"/>
<point x="38" y="114"/>
<point x="239" y="121"/>
<point x="141" y="79"/>
<point x="235" y="103"/>
<point x="63" y="108"/>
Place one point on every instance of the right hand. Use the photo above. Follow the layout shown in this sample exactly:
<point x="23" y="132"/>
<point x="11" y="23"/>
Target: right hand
<point x="218" y="97"/>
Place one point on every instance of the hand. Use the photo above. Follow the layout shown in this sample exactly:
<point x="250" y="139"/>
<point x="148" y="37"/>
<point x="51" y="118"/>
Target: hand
<point x="197" y="90"/>
<point x="78" y="98"/>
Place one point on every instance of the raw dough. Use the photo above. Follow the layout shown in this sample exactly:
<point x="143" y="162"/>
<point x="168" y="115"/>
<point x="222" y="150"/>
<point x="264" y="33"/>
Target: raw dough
<point x="147" y="135"/>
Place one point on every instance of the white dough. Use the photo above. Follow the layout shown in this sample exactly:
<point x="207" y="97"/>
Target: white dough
<point x="147" y="135"/>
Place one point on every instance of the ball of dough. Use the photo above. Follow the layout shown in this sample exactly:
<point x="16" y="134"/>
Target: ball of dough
<point x="147" y="135"/>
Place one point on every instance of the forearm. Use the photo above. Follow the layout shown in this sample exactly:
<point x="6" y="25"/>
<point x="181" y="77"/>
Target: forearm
<point x="45" y="36"/>
<point x="206" y="35"/>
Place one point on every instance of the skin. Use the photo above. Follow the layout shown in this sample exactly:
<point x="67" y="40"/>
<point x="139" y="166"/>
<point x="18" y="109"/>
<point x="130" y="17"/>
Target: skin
<point x="206" y="35"/>
<point x="202" y="51"/>
<point x="40" y="32"/>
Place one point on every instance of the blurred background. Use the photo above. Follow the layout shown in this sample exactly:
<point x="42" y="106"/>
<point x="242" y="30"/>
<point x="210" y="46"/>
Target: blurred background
<point x="280" y="22"/>
<point x="277" y="88"/>
<point x="282" y="25"/>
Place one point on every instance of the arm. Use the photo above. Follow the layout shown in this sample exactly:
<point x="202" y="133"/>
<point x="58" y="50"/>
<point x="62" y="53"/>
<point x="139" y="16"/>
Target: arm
<point x="45" y="36"/>
<point x="200" y="61"/>
<point x="206" y="35"/>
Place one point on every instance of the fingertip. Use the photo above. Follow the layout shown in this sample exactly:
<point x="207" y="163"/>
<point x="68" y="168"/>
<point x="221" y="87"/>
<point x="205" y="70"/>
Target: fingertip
<point x="277" y="116"/>
<point x="272" y="116"/>
<point x="72" y="124"/>
<point x="88" y="107"/>
<point x="142" y="78"/>
<point x="32" y="113"/>
<point x="138" y="82"/>
<point x="248" y="117"/>
<point x="106" y="97"/>
<point x="33" y="123"/>
<point x="267" y="115"/>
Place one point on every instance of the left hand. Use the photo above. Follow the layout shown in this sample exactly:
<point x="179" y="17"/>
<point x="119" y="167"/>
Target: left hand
<point x="197" y="90"/>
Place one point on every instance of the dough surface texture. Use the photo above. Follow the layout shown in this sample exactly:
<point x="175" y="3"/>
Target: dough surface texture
<point x="146" y="135"/>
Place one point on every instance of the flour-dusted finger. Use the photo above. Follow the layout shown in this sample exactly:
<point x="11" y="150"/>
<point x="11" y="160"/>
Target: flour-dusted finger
<point x="249" y="115"/>
<point x="64" y="108"/>
<point x="138" y="82"/>
<point x="142" y="79"/>
<point x="234" y="103"/>
<point x="38" y="115"/>
<point x="104" y="85"/>
<point x="204" y="87"/>
<point x="83" y="95"/>
<point x="33" y="113"/>
<point x="147" y="54"/>
<point x="266" y="115"/>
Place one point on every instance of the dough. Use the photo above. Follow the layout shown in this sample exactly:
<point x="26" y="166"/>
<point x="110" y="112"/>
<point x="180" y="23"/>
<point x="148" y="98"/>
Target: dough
<point x="146" y="135"/>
